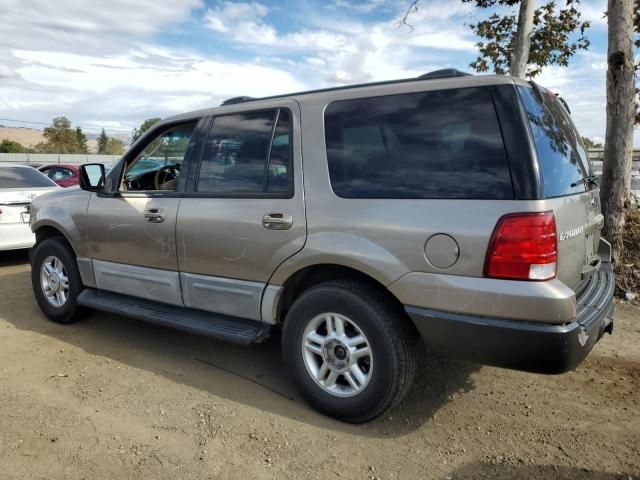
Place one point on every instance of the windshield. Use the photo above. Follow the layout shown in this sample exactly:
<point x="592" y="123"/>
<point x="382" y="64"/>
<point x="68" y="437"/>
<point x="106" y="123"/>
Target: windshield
<point x="21" y="177"/>
<point x="562" y="157"/>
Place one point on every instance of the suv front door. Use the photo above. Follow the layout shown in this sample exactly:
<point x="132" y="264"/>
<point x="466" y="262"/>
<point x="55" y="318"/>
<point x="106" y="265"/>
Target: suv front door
<point x="243" y="213"/>
<point x="131" y="231"/>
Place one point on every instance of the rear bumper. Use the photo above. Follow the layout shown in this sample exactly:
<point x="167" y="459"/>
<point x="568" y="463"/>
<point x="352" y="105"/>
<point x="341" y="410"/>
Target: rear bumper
<point x="16" y="235"/>
<point x="533" y="347"/>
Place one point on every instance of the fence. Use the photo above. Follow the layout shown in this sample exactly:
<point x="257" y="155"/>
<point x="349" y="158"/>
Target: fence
<point x="49" y="158"/>
<point x="595" y="154"/>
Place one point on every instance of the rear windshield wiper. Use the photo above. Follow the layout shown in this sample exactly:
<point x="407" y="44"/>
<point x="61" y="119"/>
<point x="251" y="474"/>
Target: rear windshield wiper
<point x="590" y="181"/>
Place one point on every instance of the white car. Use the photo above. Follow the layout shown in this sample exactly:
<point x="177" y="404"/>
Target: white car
<point x="19" y="185"/>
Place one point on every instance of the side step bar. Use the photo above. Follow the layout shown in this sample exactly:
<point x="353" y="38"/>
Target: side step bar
<point x="222" y="327"/>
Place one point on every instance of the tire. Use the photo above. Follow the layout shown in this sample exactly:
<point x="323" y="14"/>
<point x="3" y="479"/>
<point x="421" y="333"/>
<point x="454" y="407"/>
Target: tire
<point x="47" y="251"/>
<point x="388" y="370"/>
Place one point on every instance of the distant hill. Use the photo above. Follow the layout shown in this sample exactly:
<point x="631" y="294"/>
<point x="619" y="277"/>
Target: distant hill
<point x="30" y="137"/>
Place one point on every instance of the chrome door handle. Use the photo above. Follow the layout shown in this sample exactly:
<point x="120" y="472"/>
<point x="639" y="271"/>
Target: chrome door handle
<point x="277" y="221"/>
<point x="154" y="215"/>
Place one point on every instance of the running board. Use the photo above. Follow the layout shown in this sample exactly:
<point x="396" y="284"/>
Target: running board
<point x="221" y="327"/>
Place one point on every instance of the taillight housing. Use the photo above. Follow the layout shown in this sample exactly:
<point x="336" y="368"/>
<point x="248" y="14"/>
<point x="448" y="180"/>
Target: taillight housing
<point x="524" y="246"/>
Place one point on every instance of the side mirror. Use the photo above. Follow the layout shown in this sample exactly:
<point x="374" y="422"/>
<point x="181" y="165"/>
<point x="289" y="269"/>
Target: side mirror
<point x="92" y="177"/>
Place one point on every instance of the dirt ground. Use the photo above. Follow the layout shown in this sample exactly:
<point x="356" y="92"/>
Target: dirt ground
<point x="110" y="397"/>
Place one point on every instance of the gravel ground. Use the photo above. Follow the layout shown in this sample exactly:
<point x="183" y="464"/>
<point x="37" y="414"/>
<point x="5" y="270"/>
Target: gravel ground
<point x="110" y="397"/>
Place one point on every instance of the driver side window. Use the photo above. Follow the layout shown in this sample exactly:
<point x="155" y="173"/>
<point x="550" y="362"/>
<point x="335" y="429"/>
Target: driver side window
<point x="158" y="165"/>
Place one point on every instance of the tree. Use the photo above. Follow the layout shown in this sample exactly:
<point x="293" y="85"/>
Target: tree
<point x="60" y="138"/>
<point x="9" y="146"/>
<point x="114" y="147"/>
<point x="621" y="113"/>
<point x="506" y="44"/>
<point x="103" y="140"/>
<point x="636" y="27"/>
<point x="522" y="42"/>
<point x="82" y="141"/>
<point x="590" y="143"/>
<point x="146" y="125"/>
<point x="504" y="47"/>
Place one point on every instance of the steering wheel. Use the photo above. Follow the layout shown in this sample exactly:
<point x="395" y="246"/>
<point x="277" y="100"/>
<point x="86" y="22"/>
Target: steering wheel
<point x="165" y="174"/>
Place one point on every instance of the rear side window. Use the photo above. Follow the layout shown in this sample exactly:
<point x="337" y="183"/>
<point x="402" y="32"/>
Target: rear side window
<point x="21" y="177"/>
<point x="439" y="144"/>
<point x="562" y="158"/>
<point x="247" y="154"/>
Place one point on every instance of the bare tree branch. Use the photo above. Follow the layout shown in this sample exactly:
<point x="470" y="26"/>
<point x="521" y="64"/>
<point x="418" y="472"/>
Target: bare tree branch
<point x="413" y="8"/>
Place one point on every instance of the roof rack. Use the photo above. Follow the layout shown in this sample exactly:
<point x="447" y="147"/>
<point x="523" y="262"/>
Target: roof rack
<point x="240" y="99"/>
<point x="442" y="73"/>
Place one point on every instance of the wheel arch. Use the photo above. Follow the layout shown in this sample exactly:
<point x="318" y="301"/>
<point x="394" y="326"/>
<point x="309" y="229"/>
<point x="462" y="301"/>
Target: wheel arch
<point x="46" y="231"/>
<point x="312" y="275"/>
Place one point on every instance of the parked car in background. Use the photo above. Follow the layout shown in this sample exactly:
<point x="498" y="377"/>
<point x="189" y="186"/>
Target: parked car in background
<point x="460" y="209"/>
<point x="19" y="185"/>
<point x="63" y="174"/>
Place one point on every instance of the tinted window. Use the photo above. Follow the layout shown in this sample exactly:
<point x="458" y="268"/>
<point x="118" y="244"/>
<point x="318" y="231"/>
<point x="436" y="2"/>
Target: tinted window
<point x="279" y="176"/>
<point x="442" y="144"/>
<point x="21" y="177"/>
<point x="240" y="158"/>
<point x="561" y="155"/>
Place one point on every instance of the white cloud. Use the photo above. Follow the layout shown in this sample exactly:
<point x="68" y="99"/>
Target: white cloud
<point x="100" y="62"/>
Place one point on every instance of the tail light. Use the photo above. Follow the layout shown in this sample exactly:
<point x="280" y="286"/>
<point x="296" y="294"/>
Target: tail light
<point x="523" y="247"/>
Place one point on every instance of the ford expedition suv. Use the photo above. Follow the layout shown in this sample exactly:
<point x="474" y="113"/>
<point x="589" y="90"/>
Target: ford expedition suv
<point x="459" y="209"/>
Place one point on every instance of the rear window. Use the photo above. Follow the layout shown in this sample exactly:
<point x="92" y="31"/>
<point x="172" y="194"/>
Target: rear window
<point x="21" y="177"/>
<point x="438" y="144"/>
<point x="562" y="157"/>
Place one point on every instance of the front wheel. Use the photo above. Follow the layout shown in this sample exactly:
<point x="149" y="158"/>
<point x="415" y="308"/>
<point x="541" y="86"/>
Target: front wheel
<point x="56" y="281"/>
<point x="349" y="350"/>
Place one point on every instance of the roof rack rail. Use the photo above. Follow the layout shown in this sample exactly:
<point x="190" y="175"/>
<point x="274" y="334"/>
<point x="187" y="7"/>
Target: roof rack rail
<point x="443" y="73"/>
<point x="241" y="99"/>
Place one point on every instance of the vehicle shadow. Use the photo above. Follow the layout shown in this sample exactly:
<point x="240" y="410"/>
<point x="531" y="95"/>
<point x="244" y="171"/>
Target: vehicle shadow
<point x="11" y="258"/>
<point x="252" y="375"/>
<point x="473" y="471"/>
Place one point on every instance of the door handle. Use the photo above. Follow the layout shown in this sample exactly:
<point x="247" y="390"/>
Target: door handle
<point x="154" y="215"/>
<point x="277" y="221"/>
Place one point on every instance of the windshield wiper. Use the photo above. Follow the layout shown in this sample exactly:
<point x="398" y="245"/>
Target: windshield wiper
<point x="590" y="181"/>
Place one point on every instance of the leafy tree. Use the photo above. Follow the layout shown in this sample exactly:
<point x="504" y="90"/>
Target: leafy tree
<point x="550" y="38"/>
<point x="60" y="138"/>
<point x="146" y="125"/>
<point x="114" y="147"/>
<point x="9" y="146"/>
<point x="551" y="41"/>
<point x="590" y="143"/>
<point x="103" y="141"/>
<point x="82" y="141"/>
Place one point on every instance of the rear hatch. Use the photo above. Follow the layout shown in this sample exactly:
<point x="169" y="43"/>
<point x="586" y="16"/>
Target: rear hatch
<point x="564" y="168"/>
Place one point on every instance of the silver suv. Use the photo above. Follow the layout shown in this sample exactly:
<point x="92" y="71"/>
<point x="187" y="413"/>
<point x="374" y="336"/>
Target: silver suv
<point x="460" y="209"/>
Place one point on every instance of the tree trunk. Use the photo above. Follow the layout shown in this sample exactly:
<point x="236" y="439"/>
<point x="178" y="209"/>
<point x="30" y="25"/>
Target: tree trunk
<point x="616" y="171"/>
<point x="520" y="54"/>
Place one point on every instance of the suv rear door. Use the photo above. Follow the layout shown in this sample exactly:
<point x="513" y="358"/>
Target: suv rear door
<point x="563" y="164"/>
<point x="243" y="213"/>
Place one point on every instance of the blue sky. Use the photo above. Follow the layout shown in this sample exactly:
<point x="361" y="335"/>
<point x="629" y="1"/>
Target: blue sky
<point x="113" y="64"/>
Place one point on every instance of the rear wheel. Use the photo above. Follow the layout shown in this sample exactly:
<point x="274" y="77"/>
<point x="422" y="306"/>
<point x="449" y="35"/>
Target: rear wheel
<point x="349" y="350"/>
<point x="56" y="281"/>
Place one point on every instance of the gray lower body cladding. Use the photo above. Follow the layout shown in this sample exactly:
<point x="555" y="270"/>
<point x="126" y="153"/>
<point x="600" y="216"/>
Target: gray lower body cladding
<point x="528" y="346"/>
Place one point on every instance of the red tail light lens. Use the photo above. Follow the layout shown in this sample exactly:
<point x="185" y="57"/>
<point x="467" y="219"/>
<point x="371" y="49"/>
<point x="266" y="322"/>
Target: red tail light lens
<point x="523" y="247"/>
